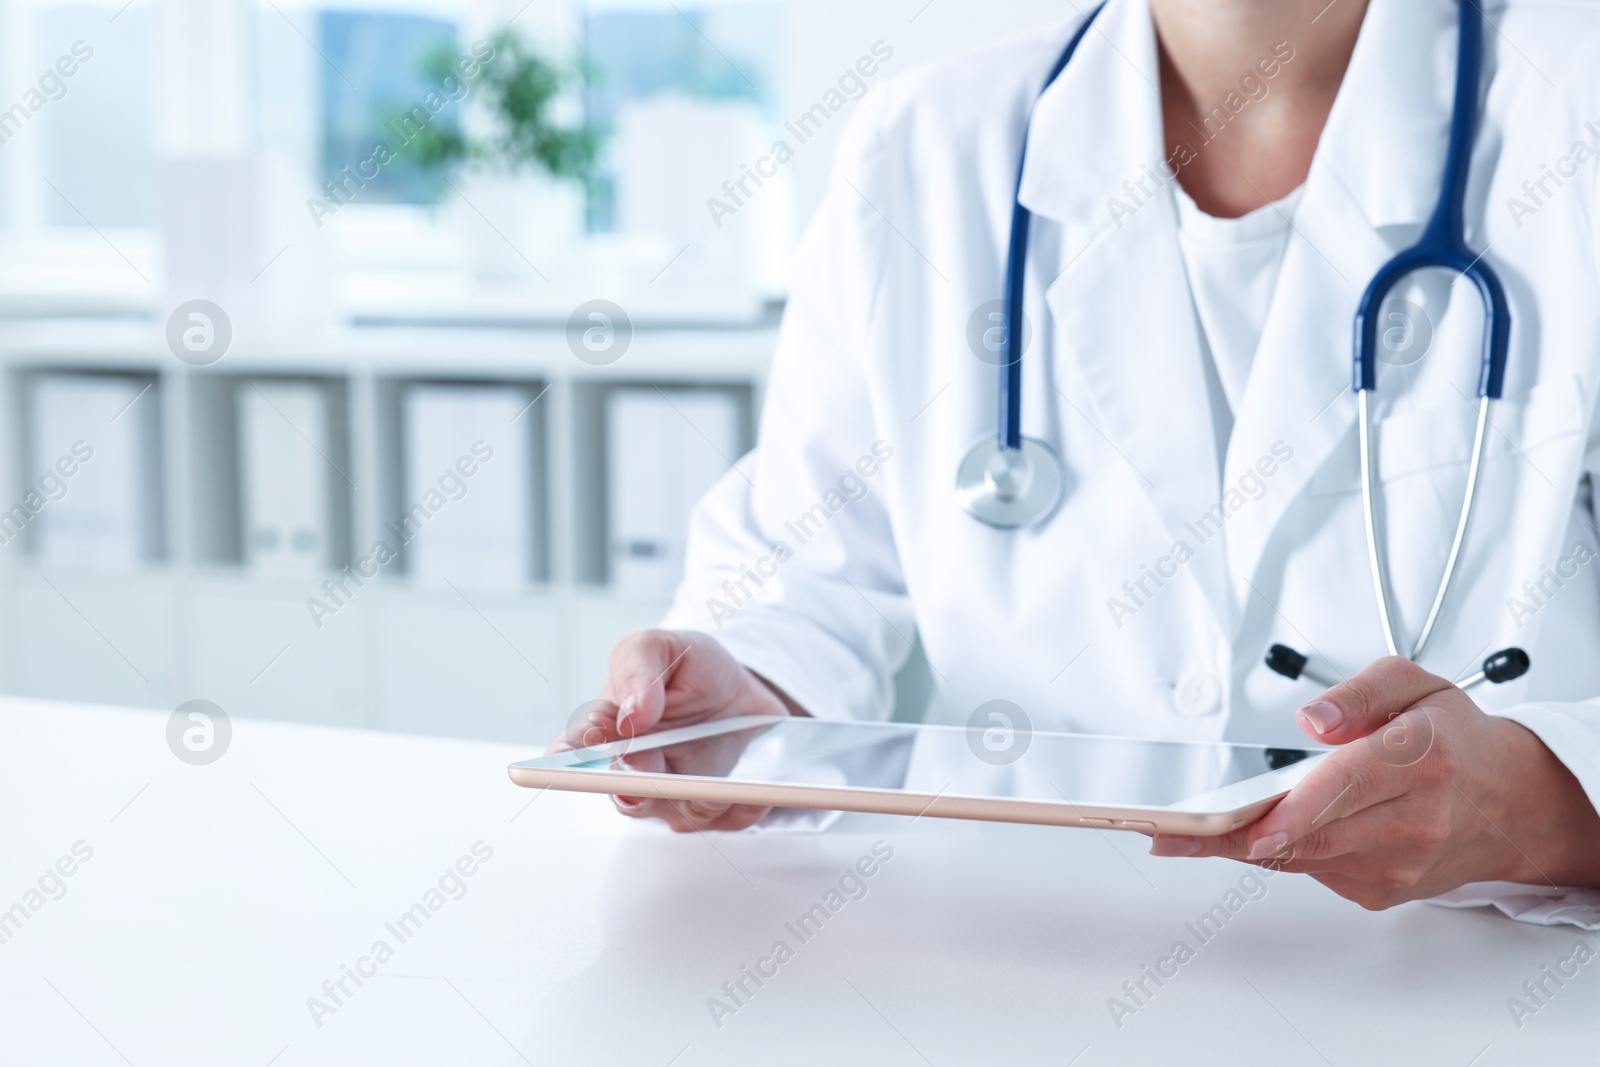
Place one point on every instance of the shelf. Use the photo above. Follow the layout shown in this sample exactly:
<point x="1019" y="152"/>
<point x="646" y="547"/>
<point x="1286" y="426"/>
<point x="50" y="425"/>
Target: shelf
<point x="502" y="662"/>
<point x="693" y="353"/>
<point x="506" y="664"/>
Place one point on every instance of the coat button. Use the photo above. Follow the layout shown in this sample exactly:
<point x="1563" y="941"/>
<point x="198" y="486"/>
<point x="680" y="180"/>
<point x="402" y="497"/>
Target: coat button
<point x="1197" y="694"/>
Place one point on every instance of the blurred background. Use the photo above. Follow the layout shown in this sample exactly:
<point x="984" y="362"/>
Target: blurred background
<point x="360" y="362"/>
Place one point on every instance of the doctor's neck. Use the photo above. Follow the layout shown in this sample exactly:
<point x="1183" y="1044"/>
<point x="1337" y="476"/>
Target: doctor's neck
<point x="1250" y="155"/>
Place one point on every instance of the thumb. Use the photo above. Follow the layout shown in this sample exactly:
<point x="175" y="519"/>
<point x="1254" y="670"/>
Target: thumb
<point x="642" y="665"/>
<point x="1358" y="706"/>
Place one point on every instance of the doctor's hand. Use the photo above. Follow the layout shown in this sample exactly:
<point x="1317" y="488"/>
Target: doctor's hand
<point x="1427" y="794"/>
<point x="661" y="679"/>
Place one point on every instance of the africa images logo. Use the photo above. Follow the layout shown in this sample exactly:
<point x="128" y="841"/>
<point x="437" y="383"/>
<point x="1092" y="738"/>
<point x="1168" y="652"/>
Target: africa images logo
<point x="199" y="732"/>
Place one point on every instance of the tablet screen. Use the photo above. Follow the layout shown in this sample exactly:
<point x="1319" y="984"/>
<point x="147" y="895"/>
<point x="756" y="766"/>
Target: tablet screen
<point x="953" y="760"/>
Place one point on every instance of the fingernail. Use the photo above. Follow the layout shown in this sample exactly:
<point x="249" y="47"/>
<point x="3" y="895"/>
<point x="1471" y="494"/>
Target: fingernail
<point x="622" y="715"/>
<point x="1321" y="715"/>
<point x="1174" y="845"/>
<point x="1269" y="846"/>
<point x="627" y="802"/>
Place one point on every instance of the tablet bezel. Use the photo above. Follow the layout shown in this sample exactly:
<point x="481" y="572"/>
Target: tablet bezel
<point x="1212" y="813"/>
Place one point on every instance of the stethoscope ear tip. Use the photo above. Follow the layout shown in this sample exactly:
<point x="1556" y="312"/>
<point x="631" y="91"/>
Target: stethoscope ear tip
<point x="1506" y="665"/>
<point x="1286" y="661"/>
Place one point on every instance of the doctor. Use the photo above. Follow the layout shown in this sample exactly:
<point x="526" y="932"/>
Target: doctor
<point x="1212" y="186"/>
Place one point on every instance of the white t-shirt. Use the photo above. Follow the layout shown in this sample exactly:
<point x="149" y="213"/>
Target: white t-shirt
<point x="1232" y="266"/>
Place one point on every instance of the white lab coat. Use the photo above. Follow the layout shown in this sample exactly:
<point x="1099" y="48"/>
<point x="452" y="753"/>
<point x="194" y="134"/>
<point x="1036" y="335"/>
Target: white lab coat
<point x="874" y="348"/>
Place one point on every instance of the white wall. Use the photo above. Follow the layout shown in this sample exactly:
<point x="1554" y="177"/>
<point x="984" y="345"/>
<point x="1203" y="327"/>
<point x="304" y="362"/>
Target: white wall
<point x="827" y="36"/>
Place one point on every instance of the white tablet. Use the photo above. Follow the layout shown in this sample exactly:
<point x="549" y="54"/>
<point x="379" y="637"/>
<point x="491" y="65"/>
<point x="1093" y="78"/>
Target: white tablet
<point x="950" y="772"/>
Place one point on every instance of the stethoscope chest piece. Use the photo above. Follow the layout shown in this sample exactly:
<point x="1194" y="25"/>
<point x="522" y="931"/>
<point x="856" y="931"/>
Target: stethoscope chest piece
<point x="1010" y="487"/>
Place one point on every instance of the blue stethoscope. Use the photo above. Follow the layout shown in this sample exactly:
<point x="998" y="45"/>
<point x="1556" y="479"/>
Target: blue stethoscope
<point x="1011" y="481"/>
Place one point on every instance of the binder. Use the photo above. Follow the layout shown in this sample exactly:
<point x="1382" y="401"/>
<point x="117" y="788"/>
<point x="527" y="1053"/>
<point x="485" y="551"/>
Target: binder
<point x="664" y="450"/>
<point x="468" y="511"/>
<point x="286" y="470"/>
<point x="104" y="430"/>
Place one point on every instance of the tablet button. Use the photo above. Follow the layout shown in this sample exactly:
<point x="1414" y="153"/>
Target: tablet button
<point x="1197" y="694"/>
<point x="1138" y="824"/>
<point x="1096" y="823"/>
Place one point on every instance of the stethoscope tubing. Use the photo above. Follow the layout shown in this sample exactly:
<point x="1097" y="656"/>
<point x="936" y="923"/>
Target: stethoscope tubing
<point x="1443" y="245"/>
<point x="1017" y="266"/>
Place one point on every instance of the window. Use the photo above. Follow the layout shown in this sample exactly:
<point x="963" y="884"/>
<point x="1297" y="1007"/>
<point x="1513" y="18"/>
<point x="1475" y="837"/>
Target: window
<point x="374" y="74"/>
<point x="77" y="125"/>
<point x="709" y="52"/>
<point x="686" y="93"/>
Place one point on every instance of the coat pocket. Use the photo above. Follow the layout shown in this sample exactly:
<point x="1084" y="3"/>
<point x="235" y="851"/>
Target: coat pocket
<point x="1438" y="438"/>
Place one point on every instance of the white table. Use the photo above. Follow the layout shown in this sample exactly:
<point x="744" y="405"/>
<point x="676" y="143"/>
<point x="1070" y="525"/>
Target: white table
<point x="218" y="899"/>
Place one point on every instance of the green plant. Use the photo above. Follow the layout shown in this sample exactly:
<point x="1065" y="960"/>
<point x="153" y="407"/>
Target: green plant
<point x="517" y="90"/>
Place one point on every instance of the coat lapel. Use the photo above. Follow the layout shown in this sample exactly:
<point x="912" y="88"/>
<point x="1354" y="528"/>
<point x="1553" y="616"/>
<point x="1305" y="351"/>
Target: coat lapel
<point x="1373" y="182"/>
<point x="1114" y="280"/>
